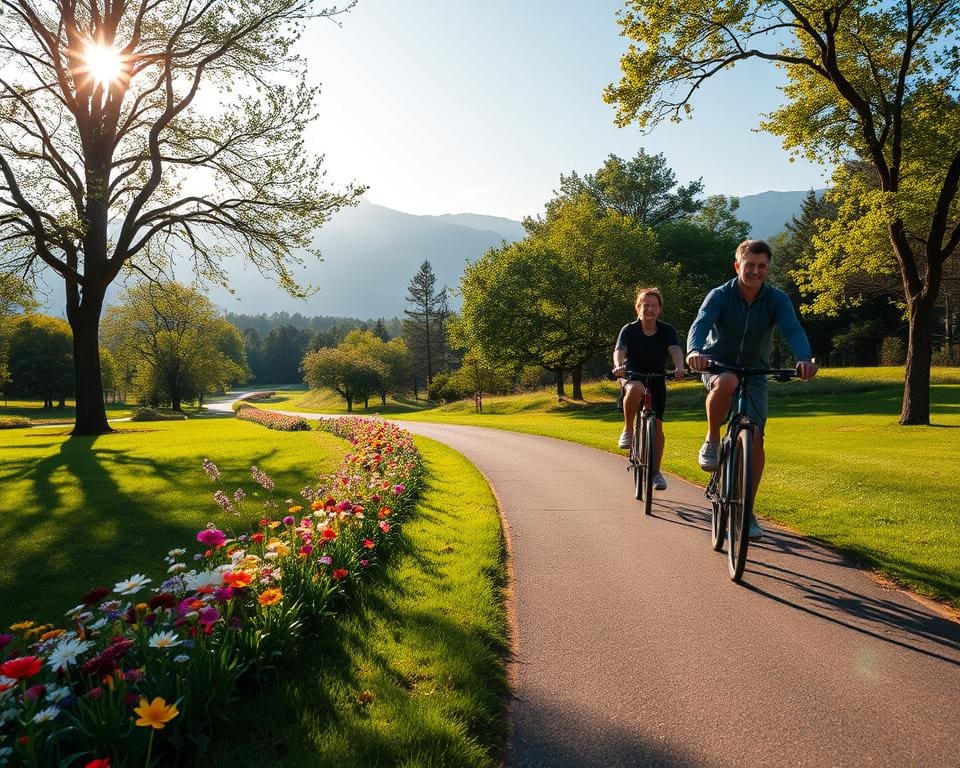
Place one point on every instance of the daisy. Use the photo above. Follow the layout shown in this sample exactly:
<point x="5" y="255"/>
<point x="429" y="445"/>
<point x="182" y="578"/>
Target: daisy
<point x="66" y="653"/>
<point x="132" y="585"/>
<point x="46" y="715"/>
<point x="166" y="639"/>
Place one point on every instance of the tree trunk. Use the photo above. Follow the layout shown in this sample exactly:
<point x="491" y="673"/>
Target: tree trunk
<point x="383" y="398"/>
<point x="560" y="390"/>
<point x="91" y="415"/>
<point x="916" y="386"/>
<point x="349" y="405"/>
<point x="576" y="376"/>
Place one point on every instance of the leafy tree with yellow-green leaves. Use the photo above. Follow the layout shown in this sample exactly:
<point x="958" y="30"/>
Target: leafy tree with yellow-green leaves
<point x="867" y="81"/>
<point x="136" y="132"/>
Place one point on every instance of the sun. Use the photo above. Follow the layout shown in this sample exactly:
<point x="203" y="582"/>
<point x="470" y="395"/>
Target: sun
<point x="104" y="63"/>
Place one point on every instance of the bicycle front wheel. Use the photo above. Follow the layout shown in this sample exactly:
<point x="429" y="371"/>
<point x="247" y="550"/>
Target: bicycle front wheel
<point x="718" y="508"/>
<point x="635" y="459"/>
<point x="740" y="504"/>
<point x="649" y="448"/>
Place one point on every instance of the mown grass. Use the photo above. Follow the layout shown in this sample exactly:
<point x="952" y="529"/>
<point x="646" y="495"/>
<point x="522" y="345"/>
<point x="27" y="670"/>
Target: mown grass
<point x="79" y="512"/>
<point x="839" y="468"/>
<point x="413" y="674"/>
<point x="410" y="674"/>
<point x="328" y="401"/>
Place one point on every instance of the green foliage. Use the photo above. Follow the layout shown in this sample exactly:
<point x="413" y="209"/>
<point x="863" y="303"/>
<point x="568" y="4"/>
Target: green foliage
<point x="425" y="326"/>
<point x="40" y="358"/>
<point x="559" y="296"/>
<point x="346" y="370"/>
<point x="172" y="344"/>
<point x="152" y="414"/>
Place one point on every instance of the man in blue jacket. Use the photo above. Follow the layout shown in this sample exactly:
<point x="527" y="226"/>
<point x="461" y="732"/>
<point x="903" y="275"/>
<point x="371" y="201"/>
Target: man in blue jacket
<point x="735" y="326"/>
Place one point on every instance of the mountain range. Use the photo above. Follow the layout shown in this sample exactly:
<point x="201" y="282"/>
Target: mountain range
<point x="370" y="253"/>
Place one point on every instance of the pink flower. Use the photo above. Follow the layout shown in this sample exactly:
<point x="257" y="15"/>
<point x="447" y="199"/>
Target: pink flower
<point x="288" y="520"/>
<point x="306" y="549"/>
<point x="384" y="526"/>
<point x="212" y="537"/>
<point x="223" y="593"/>
<point x="209" y="615"/>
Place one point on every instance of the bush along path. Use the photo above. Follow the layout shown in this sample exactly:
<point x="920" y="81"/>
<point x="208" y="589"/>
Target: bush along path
<point x="144" y="673"/>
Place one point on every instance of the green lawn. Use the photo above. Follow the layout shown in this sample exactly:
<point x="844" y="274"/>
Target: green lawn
<point x="839" y="467"/>
<point x="33" y="410"/>
<point x="327" y="401"/>
<point x="413" y="674"/>
<point x="86" y="511"/>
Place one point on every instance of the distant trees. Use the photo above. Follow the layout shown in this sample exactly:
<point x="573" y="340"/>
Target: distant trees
<point x="360" y="366"/>
<point x="173" y="344"/>
<point x="40" y="359"/>
<point x="425" y="326"/>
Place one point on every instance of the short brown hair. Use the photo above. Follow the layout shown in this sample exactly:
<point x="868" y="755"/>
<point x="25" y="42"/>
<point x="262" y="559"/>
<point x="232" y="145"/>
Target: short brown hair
<point x="652" y="291"/>
<point x="753" y="246"/>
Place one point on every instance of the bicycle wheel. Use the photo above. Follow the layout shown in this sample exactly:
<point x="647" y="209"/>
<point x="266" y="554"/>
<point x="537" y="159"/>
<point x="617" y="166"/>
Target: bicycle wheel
<point x="740" y="504"/>
<point x="649" y="446"/>
<point x="635" y="460"/>
<point x="718" y="510"/>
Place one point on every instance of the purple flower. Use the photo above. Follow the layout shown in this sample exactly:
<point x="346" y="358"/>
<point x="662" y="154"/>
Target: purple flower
<point x="223" y="593"/>
<point x="209" y="615"/>
<point x="223" y="501"/>
<point x="239" y="495"/>
<point x="5" y="640"/>
<point x="399" y="488"/>
<point x="289" y="520"/>
<point x="262" y="478"/>
<point x="211" y="469"/>
<point x="326" y="560"/>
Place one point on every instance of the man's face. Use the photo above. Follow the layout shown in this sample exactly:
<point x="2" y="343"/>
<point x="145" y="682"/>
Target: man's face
<point x="753" y="269"/>
<point x="648" y="308"/>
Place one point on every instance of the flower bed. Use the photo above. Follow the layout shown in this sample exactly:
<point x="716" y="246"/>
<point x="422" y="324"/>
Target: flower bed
<point x="142" y="673"/>
<point x="254" y="396"/>
<point x="14" y="422"/>
<point x="271" y="419"/>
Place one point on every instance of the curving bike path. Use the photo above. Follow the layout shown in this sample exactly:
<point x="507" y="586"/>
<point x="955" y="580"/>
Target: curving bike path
<point x="635" y="649"/>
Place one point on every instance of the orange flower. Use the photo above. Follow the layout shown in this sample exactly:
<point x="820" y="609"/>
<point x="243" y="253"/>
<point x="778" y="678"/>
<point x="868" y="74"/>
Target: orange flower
<point x="270" y="596"/>
<point x="52" y="634"/>
<point x="237" y="579"/>
<point x="384" y="512"/>
<point x="328" y="534"/>
<point x="340" y="573"/>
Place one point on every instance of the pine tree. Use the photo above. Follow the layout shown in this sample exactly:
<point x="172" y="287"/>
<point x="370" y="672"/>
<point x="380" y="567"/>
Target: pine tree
<point x="423" y="326"/>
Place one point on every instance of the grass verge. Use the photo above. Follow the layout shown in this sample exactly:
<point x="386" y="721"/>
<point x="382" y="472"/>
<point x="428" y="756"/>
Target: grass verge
<point x="412" y="675"/>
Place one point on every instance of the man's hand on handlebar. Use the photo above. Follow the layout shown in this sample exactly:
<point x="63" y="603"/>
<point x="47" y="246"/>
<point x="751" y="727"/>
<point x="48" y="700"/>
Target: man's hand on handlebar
<point x="697" y="362"/>
<point x="807" y="369"/>
<point x="619" y="370"/>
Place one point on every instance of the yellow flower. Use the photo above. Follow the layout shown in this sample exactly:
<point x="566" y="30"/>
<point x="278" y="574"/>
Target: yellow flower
<point x="21" y="625"/>
<point x="156" y="714"/>
<point x="294" y="509"/>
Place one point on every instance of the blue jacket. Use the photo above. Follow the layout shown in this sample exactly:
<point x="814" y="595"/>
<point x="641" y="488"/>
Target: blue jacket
<point x="730" y="331"/>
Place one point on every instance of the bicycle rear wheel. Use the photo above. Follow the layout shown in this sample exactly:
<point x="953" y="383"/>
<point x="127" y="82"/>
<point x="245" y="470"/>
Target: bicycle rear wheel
<point x="649" y="446"/>
<point x="740" y="504"/>
<point x="635" y="460"/>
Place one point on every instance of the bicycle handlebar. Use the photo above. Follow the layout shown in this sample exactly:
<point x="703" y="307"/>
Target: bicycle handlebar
<point x="637" y="376"/>
<point x="778" y="374"/>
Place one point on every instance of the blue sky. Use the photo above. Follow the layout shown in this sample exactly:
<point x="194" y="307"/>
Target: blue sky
<point x="446" y="106"/>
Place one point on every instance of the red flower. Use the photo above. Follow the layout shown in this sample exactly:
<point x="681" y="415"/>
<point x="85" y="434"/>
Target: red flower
<point x="328" y="534"/>
<point x="162" y="600"/>
<point x="340" y="573"/>
<point x="256" y="537"/>
<point x="22" y="668"/>
<point x="95" y="595"/>
<point x="368" y="544"/>
<point x="100" y="762"/>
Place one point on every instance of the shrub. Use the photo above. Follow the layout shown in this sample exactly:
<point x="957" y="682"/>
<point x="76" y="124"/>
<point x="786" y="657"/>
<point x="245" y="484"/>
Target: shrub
<point x="152" y="414"/>
<point x="254" y="396"/>
<point x="892" y="351"/>
<point x="947" y="355"/>
<point x="14" y="422"/>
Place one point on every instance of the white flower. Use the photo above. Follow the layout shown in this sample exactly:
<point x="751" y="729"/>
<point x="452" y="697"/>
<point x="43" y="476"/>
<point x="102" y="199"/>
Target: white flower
<point x="46" y="715"/>
<point x="177" y="568"/>
<point x="181" y="658"/>
<point x="75" y="611"/>
<point x="98" y="625"/>
<point x="194" y="581"/>
<point x="166" y="639"/>
<point x="58" y="694"/>
<point x="66" y="653"/>
<point x="132" y="585"/>
<point x="176" y="552"/>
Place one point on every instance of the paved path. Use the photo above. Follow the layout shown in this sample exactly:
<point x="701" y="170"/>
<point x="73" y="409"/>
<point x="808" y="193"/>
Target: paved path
<point x="636" y="649"/>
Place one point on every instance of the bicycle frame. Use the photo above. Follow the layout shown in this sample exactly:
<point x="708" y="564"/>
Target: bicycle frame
<point x="643" y="443"/>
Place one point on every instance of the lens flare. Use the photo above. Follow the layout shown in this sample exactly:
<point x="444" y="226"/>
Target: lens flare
<point x="104" y="63"/>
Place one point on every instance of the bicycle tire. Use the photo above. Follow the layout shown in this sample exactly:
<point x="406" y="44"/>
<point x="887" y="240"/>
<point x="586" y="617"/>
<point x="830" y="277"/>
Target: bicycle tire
<point x="718" y="509"/>
<point x="740" y="504"/>
<point x="649" y="448"/>
<point x="635" y="460"/>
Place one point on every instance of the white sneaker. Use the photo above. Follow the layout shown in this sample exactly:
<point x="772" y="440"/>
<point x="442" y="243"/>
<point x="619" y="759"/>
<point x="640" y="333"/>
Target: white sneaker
<point x="624" y="441"/>
<point x="756" y="532"/>
<point x="659" y="482"/>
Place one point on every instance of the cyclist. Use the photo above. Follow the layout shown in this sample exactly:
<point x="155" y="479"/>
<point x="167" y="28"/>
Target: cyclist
<point x="734" y="326"/>
<point x="642" y="346"/>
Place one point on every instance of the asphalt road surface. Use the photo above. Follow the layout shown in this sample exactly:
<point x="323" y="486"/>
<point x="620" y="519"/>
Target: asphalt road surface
<point x="634" y="648"/>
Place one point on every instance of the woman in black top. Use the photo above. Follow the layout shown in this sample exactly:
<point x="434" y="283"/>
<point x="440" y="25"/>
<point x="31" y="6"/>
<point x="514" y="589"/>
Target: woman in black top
<point x="642" y="347"/>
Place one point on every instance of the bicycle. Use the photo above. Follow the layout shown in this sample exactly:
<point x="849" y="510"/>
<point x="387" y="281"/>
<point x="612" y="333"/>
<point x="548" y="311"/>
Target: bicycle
<point x="644" y="442"/>
<point x="730" y="489"/>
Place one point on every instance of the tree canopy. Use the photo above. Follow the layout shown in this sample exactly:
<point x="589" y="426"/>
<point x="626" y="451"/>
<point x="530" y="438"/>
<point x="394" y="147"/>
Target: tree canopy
<point x="867" y="82"/>
<point x="134" y="133"/>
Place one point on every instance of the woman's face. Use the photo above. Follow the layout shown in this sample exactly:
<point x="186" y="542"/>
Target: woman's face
<point x="648" y="307"/>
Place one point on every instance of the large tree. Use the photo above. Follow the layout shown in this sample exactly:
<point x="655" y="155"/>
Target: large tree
<point x="178" y="344"/>
<point x="425" y="325"/>
<point x="40" y="359"/>
<point x="131" y="130"/>
<point x="865" y="80"/>
<point x="559" y="296"/>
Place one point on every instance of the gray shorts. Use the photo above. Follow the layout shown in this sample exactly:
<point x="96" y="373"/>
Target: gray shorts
<point x="756" y="402"/>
